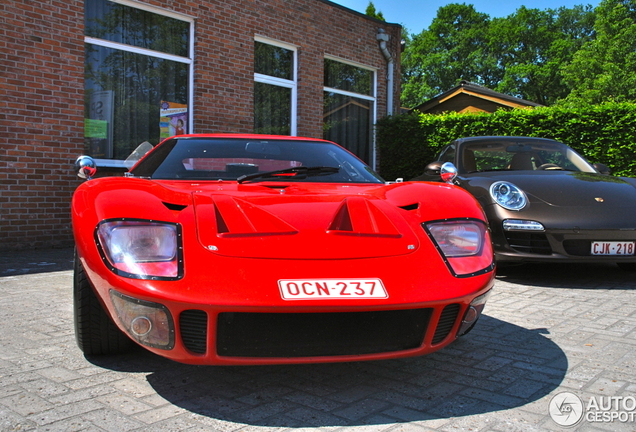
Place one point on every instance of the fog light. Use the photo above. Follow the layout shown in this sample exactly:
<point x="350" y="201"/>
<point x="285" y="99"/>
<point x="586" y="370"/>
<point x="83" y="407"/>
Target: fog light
<point x="473" y="313"/>
<point x="522" y="225"/>
<point x="146" y="322"/>
<point x="141" y="326"/>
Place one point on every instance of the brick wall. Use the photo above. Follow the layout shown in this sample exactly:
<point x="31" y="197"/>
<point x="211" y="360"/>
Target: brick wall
<point x="41" y="119"/>
<point x="41" y="82"/>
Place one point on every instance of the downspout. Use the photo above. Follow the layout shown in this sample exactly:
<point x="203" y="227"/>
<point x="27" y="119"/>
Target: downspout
<point x="383" y="38"/>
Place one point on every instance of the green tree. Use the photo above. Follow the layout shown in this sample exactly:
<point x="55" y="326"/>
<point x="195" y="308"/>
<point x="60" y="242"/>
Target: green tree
<point x="532" y="44"/>
<point x="453" y="48"/>
<point x="371" y="11"/>
<point x="604" y="68"/>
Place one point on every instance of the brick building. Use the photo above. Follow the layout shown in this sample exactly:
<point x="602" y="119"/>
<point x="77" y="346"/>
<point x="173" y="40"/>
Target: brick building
<point x="99" y="77"/>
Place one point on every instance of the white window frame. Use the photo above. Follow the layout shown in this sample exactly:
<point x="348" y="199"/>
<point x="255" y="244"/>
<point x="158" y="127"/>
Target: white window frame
<point x="114" y="163"/>
<point x="281" y="82"/>
<point x="372" y="98"/>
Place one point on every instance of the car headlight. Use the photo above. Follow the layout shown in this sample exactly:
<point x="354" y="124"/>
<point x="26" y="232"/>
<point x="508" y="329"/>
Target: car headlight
<point x="464" y="244"/>
<point x="141" y="249"/>
<point x="508" y="195"/>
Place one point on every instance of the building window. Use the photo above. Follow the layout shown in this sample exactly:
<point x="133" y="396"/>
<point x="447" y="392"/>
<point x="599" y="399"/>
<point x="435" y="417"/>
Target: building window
<point x="138" y="77"/>
<point x="349" y="107"/>
<point x="274" y="87"/>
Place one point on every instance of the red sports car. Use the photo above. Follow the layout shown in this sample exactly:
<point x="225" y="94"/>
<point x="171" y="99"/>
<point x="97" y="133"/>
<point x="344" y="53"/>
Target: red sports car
<point x="255" y="249"/>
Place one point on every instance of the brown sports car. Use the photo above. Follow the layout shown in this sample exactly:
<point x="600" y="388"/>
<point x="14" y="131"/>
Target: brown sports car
<point x="543" y="200"/>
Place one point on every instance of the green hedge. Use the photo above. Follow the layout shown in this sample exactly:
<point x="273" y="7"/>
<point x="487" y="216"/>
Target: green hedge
<point x="602" y="133"/>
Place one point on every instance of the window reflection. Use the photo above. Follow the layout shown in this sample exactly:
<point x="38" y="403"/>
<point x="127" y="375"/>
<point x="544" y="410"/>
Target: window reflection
<point x="347" y="77"/>
<point x="123" y="24"/>
<point x="272" y="109"/>
<point x="273" y="61"/>
<point x="347" y="121"/>
<point x="123" y="96"/>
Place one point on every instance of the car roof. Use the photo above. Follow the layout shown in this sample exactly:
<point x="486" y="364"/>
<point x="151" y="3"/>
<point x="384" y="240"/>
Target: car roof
<point x="502" y="138"/>
<point x="249" y="136"/>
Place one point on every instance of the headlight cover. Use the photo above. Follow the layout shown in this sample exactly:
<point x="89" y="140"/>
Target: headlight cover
<point x="508" y="195"/>
<point x="141" y="249"/>
<point x="464" y="244"/>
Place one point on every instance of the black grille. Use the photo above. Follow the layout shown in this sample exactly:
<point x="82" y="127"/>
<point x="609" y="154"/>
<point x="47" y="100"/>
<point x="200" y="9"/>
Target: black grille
<point x="320" y="334"/>
<point x="446" y="321"/>
<point x="194" y="330"/>
<point x="577" y="247"/>
<point x="529" y="242"/>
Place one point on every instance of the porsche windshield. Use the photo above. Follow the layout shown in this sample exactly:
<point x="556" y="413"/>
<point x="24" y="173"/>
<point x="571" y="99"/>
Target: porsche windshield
<point x="200" y="158"/>
<point x="495" y="155"/>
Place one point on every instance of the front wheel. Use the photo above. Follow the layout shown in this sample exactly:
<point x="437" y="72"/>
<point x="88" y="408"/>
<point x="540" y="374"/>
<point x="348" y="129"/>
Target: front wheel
<point x="95" y="332"/>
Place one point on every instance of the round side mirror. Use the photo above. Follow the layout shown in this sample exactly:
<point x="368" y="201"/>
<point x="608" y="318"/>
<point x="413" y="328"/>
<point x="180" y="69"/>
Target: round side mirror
<point x="85" y="167"/>
<point x="448" y="172"/>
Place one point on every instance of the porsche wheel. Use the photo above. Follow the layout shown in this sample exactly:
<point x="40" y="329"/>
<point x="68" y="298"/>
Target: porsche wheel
<point x="95" y="332"/>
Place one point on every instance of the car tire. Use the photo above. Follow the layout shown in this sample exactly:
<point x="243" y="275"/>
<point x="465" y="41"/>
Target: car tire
<point x="627" y="266"/>
<point x="95" y="332"/>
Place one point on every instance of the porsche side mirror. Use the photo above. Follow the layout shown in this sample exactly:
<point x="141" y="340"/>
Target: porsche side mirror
<point x="85" y="167"/>
<point x="601" y="168"/>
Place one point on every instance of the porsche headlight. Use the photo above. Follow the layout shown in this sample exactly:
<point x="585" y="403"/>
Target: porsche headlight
<point x="141" y="249"/>
<point x="464" y="244"/>
<point x="508" y="195"/>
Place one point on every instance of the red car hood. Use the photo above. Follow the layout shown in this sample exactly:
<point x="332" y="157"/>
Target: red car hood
<point x="301" y="226"/>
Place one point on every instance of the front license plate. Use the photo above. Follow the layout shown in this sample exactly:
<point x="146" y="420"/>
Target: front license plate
<point x="325" y="289"/>
<point x="613" y="248"/>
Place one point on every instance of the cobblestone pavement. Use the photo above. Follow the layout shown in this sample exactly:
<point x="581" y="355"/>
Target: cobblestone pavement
<point x="547" y="330"/>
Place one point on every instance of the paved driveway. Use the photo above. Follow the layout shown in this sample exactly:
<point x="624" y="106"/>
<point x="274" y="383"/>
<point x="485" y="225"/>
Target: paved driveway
<point x="548" y="330"/>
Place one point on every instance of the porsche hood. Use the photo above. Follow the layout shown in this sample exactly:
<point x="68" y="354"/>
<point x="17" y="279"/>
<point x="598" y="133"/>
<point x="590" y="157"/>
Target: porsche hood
<point x="301" y="227"/>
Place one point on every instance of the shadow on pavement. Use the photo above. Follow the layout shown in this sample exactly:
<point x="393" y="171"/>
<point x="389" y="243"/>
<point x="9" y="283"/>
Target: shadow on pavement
<point x="493" y="368"/>
<point x="21" y="262"/>
<point x="566" y="275"/>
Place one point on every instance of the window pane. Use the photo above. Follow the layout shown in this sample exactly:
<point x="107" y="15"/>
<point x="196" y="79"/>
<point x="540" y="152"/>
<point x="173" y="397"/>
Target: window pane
<point x="123" y="24"/>
<point x="347" y="121"/>
<point x="124" y="95"/>
<point x="273" y="61"/>
<point x="346" y="77"/>
<point x="272" y="109"/>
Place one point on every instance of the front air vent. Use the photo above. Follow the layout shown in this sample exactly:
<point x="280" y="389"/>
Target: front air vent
<point x="446" y="322"/>
<point x="175" y="207"/>
<point x="194" y="330"/>
<point x="411" y="207"/>
<point x="529" y="242"/>
<point x="245" y="334"/>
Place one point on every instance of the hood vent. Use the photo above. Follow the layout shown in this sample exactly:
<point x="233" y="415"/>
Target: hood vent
<point x="175" y="207"/>
<point x="359" y="216"/>
<point x="410" y="207"/>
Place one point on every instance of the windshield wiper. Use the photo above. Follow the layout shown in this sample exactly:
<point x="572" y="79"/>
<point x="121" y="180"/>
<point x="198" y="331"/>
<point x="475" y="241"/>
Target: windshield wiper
<point x="294" y="173"/>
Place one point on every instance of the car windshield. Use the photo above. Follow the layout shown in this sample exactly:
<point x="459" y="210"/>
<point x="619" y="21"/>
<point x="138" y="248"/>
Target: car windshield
<point x="253" y="160"/>
<point x="496" y="155"/>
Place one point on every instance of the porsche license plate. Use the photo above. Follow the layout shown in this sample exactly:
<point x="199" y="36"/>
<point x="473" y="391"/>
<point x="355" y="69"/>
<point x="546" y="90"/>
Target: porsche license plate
<point x="613" y="248"/>
<point x="325" y="289"/>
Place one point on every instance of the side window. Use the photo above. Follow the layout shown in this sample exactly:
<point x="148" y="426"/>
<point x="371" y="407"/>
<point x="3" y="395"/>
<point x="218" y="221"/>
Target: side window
<point x="138" y="78"/>
<point x="448" y="154"/>
<point x="274" y="87"/>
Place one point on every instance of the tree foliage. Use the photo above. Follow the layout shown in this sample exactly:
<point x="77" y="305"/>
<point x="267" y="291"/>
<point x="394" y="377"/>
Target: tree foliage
<point x="522" y="54"/>
<point x="603" y="69"/>
<point x="372" y="12"/>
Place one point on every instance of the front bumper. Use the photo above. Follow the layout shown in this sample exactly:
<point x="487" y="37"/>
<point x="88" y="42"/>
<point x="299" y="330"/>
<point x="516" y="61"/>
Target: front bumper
<point x="204" y="334"/>
<point x="558" y="245"/>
